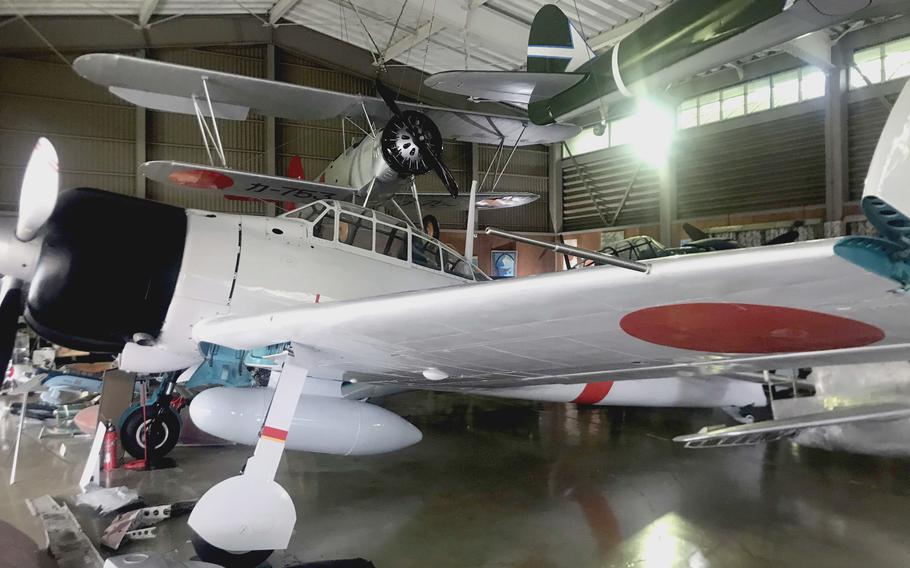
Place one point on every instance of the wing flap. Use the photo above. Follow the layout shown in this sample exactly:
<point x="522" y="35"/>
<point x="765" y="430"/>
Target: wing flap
<point x="517" y="87"/>
<point x="242" y="184"/>
<point x="770" y="430"/>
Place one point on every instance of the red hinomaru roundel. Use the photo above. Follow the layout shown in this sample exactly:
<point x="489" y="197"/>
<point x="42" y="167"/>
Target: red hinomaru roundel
<point x="746" y="328"/>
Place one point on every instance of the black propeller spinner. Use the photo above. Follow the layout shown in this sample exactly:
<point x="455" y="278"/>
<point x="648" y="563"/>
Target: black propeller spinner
<point x="411" y="142"/>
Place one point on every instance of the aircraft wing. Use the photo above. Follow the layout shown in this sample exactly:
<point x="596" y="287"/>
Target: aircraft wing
<point x="747" y="310"/>
<point x="173" y="88"/>
<point x="770" y="430"/>
<point x="518" y="87"/>
<point x="485" y="201"/>
<point x="242" y="184"/>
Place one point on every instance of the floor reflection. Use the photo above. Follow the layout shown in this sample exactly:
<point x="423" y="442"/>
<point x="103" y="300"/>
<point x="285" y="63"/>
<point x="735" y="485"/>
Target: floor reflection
<point x="512" y="484"/>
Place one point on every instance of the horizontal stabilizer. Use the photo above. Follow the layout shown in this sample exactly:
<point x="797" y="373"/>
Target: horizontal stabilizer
<point x="485" y="201"/>
<point x="170" y="87"/>
<point x="242" y="184"/>
<point x="518" y="87"/>
<point x="770" y="430"/>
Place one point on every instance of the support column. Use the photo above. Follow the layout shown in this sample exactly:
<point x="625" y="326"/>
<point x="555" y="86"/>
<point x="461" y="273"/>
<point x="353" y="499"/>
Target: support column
<point x="141" y="118"/>
<point x="554" y="171"/>
<point x="476" y="174"/>
<point x="667" y="200"/>
<point x="271" y="133"/>
<point x="837" y="159"/>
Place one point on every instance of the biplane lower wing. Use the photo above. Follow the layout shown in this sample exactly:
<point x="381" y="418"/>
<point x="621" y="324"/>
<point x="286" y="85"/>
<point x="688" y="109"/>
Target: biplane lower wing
<point x="242" y="184"/>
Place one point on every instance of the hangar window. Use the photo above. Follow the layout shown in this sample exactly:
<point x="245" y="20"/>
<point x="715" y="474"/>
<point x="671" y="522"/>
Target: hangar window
<point x="880" y="63"/>
<point x="758" y="96"/>
<point x="785" y="88"/>
<point x="774" y="91"/>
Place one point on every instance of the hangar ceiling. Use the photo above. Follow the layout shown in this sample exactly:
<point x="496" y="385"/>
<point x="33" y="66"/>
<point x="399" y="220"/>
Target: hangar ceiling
<point x="429" y="35"/>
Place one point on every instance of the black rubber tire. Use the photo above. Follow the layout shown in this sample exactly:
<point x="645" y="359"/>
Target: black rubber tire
<point x="164" y="436"/>
<point x="211" y="553"/>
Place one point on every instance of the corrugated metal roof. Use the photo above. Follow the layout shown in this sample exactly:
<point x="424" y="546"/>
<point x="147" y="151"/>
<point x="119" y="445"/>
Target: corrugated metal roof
<point x="491" y="36"/>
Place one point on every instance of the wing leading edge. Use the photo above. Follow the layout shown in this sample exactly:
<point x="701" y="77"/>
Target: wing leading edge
<point x="807" y="307"/>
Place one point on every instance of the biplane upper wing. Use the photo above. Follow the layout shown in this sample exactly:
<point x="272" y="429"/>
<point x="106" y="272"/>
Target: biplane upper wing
<point x="181" y="89"/>
<point x="518" y="87"/>
<point x="787" y="306"/>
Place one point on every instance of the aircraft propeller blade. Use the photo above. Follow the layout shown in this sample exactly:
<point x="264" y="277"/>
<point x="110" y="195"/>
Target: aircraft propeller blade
<point x="40" y="186"/>
<point x="10" y="310"/>
<point x="448" y="180"/>
<point x="694" y="232"/>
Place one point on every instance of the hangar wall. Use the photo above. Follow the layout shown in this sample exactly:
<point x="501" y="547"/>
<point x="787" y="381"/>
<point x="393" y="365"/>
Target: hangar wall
<point x="94" y="132"/>
<point x="767" y="167"/>
<point x="101" y="138"/>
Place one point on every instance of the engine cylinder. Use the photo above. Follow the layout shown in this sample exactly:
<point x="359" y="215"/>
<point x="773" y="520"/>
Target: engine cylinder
<point x="398" y="147"/>
<point x="321" y="424"/>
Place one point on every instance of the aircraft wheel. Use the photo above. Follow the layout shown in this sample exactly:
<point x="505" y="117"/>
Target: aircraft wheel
<point x="211" y="553"/>
<point x="162" y="435"/>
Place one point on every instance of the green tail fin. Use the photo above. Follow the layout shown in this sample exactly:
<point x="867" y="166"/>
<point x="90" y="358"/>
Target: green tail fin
<point x="554" y="45"/>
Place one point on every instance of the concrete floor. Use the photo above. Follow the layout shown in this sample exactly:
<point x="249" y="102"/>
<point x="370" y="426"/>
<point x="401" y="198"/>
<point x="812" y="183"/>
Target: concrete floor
<point x="524" y="485"/>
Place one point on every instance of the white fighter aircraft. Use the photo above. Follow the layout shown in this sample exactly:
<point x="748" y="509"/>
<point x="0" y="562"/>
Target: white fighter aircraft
<point x="356" y="296"/>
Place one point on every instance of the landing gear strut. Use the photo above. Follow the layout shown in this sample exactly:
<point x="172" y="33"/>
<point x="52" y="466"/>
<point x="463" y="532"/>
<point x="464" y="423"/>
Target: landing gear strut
<point x="155" y="426"/>
<point x="241" y="520"/>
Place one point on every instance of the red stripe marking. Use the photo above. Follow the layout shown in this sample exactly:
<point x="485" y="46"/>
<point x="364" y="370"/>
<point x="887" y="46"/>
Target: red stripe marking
<point x="275" y="433"/>
<point x="594" y="393"/>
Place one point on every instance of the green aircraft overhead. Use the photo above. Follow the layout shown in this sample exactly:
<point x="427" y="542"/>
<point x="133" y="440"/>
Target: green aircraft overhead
<point x="565" y="80"/>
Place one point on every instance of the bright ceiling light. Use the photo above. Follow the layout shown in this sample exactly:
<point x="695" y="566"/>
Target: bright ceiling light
<point x="653" y="132"/>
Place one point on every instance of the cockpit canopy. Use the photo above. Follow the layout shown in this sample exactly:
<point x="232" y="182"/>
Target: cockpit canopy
<point x="371" y="230"/>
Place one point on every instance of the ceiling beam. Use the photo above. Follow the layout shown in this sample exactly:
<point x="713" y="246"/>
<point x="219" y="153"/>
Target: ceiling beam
<point x="103" y="33"/>
<point x="280" y="8"/>
<point x="146" y="9"/>
<point x="483" y="26"/>
<point x="612" y="36"/>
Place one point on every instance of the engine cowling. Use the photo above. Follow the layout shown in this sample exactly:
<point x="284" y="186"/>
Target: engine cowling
<point x="397" y="145"/>
<point x="107" y="269"/>
<point x="322" y="424"/>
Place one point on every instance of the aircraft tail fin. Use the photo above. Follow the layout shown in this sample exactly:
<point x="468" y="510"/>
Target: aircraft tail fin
<point x="295" y="168"/>
<point x="554" y="45"/>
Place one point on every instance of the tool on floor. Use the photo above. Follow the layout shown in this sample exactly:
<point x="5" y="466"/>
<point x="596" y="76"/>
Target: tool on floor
<point x="139" y="524"/>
